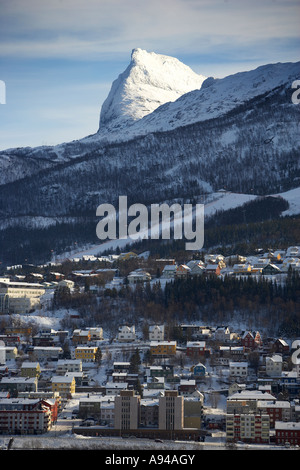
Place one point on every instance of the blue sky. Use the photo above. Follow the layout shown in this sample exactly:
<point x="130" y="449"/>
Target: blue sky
<point x="58" y="58"/>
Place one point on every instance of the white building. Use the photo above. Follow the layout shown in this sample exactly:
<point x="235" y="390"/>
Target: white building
<point x="20" y="297"/>
<point x="156" y="333"/>
<point x="238" y="369"/>
<point x="274" y="365"/>
<point x="126" y="333"/>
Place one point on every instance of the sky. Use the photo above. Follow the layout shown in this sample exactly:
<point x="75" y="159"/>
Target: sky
<point x="59" y="58"/>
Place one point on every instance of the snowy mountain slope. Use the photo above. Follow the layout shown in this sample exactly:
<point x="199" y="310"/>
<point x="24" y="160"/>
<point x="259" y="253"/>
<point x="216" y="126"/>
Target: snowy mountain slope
<point x="215" y="98"/>
<point x="149" y="81"/>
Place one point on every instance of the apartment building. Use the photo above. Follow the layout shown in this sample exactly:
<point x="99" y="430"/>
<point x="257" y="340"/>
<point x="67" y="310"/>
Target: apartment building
<point x="19" y="297"/>
<point x="127" y="410"/>
<point x="171" y="411"/>
<point x="24" y="416"/>
<point x="248" y="427"/>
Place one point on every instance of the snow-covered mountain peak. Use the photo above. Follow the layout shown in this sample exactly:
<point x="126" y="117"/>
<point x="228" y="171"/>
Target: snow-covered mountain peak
<point x="149" y="81"/>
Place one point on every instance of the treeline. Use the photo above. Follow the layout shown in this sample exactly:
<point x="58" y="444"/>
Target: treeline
<point x="220" y="299"/>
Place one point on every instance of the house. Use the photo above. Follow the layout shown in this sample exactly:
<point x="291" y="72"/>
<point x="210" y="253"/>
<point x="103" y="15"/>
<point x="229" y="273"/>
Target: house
<point x="212" y="270"/>
<point x="30" y="369"/>
<point x="163" y="348"/>
<point x="64" y="385"/>
<point x="81" y="336"/>
<point x="68" y="365"/>
<point x="196" y="269"/>
<point x="169" y="271"/>
<point x="187" y="388"/>
<point x="114" y="388"/>
<point x="19" y="384"/>
<point x="11" y="352"/>
<point x="238" y="370"/>
<point x="274" y="365"/>
<point x="47" y="353"/>
<point x="156" y="333"/>
<point x="86" y="353"/>
<point x="240" y="269"/>
<point x="270" y="269"/>
<point x="222" y="334"/>
<point x="281" y="346"/>
<point x="96" y="333"/>
<point x="251" y="340"/>
<point x="138" y="276"/>
<point x="196" y="349"/>
<point x="126" y="334"/>
<point x="199" y="370"/>
<point x="182" y="271"/>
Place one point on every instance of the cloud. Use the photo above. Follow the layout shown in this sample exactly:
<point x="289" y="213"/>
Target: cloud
<point x="94" y="29"/>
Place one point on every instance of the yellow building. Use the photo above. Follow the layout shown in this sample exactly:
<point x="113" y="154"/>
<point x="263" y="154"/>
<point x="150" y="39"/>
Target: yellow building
<point x="63" y="385"/>
<point x="85" y="353"/>
<point x="163" y="348"/>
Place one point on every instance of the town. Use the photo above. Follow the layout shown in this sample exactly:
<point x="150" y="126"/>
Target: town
<point x="188" y="381"/>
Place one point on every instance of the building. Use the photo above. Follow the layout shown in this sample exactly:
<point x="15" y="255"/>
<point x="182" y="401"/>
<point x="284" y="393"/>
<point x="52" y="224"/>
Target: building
<point x="163" y="348"/>
<point x="274" y="365"/>
<point x="30" y="369"/>
<point x="238" y="370"/>
<point x="277" y="410"/>
<point x="193" y="411"/>
<point x="287" y="433"/>
<point x="156" y="333"/>
<point x="81" y="337"/>
<point x="246" y="401"/>
<point x="86" y="353"/>
<point x="24" y="416"/>
<point x="45" y="353"/>
<point x="196" y="349"/>
<point x="20" y="297"/>
<point x="68" y="365"/>
<point x="251" y="340"/>
<point x="127" y="410"/>
<point x="64" y="385"/>
<point x="199" y="370"/>
<point x="126" y="334"/>
<point x="19" y="384"/>
<point x="171" y="411"/>
<point x="249" y="427"/>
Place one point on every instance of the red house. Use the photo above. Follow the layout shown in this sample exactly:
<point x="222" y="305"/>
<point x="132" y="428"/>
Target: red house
<point x="251" y="340"/>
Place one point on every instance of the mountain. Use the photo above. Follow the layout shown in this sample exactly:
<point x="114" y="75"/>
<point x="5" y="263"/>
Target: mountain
<point x="149" y="81"/>
<point x="159" y="139"/>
